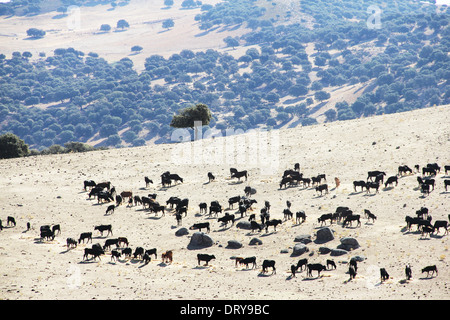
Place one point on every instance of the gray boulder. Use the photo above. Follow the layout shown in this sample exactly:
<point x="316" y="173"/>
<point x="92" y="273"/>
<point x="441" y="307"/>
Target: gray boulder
<point x="246" y="225"/>
<point x="303" y="238"/>
<point x="255" y="241"/>
<point x="349" y="243"/>
<point x="200" y="240"/>
<point x="338" y="252"/>
<point x="324" y="235"/>
<point x="233" y="244"/>
<point x="324" y="250"/>
<point x="181" y="232"/>
<point x="299" y="249"/>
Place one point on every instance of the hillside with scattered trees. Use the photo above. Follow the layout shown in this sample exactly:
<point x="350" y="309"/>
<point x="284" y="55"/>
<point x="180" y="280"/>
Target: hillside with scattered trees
<point x="288" y="70"/>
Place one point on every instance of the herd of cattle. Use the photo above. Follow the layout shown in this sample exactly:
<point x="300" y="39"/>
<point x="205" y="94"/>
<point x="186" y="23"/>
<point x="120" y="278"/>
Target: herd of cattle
<point x="105" y="193"/>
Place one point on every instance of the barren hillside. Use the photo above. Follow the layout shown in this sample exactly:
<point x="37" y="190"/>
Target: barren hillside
<point x="48" y="190"/>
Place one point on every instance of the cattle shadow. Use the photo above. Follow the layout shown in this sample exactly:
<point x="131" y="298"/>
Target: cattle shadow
<point x="311" y="278"/>
<point x="201" y="267"/>
<point x="427" y="278"/>
<point x="387" y="188"/>
<point x="265" y="275"/>
<point x="235" y="182"/>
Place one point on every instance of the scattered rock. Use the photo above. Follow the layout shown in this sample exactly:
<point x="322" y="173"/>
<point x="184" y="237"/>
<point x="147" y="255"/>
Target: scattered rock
<point x="304" y="238"/>
<point x="338" y="252"/>
<point x="255" y="241"/>
<point x="324" y="235"/>
<point x="299" y="249"/>
<point x="181" y="232"/>
<point x="234" y="244"/>
<point x="349" y="243"/>
<point x="324" y="250"/>
<point x="200" y="240"/>
<point x="244" y="225"/>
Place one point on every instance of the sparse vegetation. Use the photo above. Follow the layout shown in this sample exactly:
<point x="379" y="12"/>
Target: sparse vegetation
<point x="269" y="85"/>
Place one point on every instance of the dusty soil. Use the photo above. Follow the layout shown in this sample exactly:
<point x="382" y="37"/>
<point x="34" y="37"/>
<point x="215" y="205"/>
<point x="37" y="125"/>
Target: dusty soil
<point x="49" y="190"/>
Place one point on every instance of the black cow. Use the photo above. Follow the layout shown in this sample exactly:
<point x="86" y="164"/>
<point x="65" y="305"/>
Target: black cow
<point x="211" y="177"/>
<point x="104" y="196"/>
<point x="359" y="183"/>
<point x="426" y="230"/>
<point x="127" y="252"/>
<point x="315" y="180"/>
<point x="374" y="174"/>
<point x="85" y="235"/>
<point x="110" y="209"/>
<point x="274" y="223"/>
<point x="215" y="208"/>
<point x="351" y="218"/>
<point x="55" y="228"/>
<point x="227" y="218"/>
<point x="430" y="182"/>
<point x="172" y="201"/>
<point x="441" y="224"/>
<point x="176" y="177"/>
<point x="322" y="187"/>
<point x="110" y="242"/>
<point x="354" y="264"/>
<point x="47" y="234"/>
<point x="434" y="166"/>
<point x="384" y="274"/>
<point x="302" y="263"/>
<point x="352" y="272"/>
<point x="115" y="254"/>
<point x="10" y="221"/>
<point x="147" y="181"/>
<point x="247" y="261"/>
<point x="103" y="228"/>
<point x="370" y="215"/>
<point x="287" y="214"/>
<point x="138" y="252"/>
<point x="285" y="182"/>
<point x="325" y="217"/>
<point x="429" y="269"/>
<point x="300" y="215"/>
<point x="408" y="272"/>
<point x="179" y="218"/>
<point x="203" y="206"/>
<point x="239" y="175"/>
<point x="331" y="263"/>
<point x="89" y="183"/>
<point x="428" y="171"/>
<point x="233" y="200"/>
<point x="205" y="257"/>
<point x="423" y="211"/>
<point x="391" y="180"/>
<point x="95" y="251"/>
<point x="255" y="225"/>
<point x="268" y="264"/>
<point x="446" y="184"/>
<point x="200" y="226"/>
<point x="149" y="252"/>
<point x="316" y="267"/>
<point x="404" y="169"/>
<point x="71" y="242"/>
<point x="372" y="185"/>
<point x="425" y="188"/>
<point x="249" y="191"/>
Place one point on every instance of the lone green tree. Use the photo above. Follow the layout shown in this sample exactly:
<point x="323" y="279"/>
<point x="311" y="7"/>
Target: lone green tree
<point x="12" y="147"/>
<point x="192" y="117"/>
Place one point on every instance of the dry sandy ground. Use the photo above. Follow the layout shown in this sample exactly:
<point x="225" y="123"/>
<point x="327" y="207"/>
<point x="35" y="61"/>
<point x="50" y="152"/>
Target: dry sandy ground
<point x="48" y="190"/>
